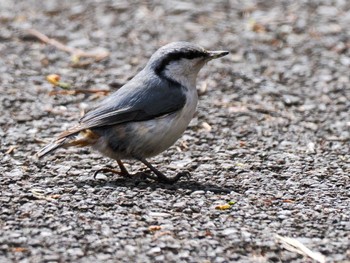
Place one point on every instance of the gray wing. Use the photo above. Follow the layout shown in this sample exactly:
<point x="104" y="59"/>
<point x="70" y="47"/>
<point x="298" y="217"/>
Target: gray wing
<point x="140" y="99"/>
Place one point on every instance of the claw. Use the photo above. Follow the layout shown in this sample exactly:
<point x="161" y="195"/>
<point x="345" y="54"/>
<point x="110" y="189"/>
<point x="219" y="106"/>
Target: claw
<point x="160" y="176"/>
<point x="171" y="180"/>
<point x="104" y="170"/>
<point x="146" y="175"/>
<point x="164" y="179"/>
<point x="185" y="174"/>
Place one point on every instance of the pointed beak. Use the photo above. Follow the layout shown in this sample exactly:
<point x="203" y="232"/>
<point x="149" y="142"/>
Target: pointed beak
<point x="217" y="54"/>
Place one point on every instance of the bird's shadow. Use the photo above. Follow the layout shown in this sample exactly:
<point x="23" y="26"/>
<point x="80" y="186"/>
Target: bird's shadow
<point x="143" y="184"/>
<point x="138" y="182"/>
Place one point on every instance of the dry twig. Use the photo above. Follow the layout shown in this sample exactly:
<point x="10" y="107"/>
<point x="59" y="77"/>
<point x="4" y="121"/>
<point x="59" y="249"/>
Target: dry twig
<point x="11" y="149"/>
<point x="294" y="245"/>
<point x="39" y="195"/>
<point x="79" y="91"/>
<point x="54" y="79"/>
<point x="77" y="53"/>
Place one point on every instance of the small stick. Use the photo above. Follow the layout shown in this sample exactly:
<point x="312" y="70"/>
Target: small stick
<point x="11" y="149"/>
<point x="54" y="79"/>
<point x="294" y="245"/>
<point x="78" y="91"/>
<point x="74" y="51"/>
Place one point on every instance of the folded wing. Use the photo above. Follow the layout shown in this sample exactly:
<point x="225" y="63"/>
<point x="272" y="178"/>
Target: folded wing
<point x="138" y="101"/>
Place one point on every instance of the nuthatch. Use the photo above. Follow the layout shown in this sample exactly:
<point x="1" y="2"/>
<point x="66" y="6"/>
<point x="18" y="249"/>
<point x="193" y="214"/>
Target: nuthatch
<point x="148" y="114"/>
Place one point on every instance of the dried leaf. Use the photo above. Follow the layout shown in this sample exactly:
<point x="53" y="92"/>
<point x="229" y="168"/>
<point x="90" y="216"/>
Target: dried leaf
<point x="19" y="249"/>
<point x="54" y="79"/>
<point x="223" y="207"/>
<point x="154" y="228"/>
<point x="56" y="196"/>
<point x="256" y="27"/>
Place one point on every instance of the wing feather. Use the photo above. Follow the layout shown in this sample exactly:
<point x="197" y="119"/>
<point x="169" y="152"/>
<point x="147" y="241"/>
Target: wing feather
<point x="138" y="100"/>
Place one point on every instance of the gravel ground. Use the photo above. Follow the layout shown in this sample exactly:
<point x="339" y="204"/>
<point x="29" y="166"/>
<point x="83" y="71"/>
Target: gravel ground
<point x="271" y="134"/>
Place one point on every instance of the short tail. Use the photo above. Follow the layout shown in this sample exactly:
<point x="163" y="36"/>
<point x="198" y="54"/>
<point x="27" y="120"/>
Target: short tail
<point x="70" y="138"/>
<point x="51" y="147"/>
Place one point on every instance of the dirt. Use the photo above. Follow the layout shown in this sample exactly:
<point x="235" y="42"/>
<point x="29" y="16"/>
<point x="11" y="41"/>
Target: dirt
<point x="271" y="135"/>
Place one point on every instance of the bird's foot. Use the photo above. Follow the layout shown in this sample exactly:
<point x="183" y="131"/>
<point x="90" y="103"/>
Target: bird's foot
<point x="109" y="170"/>
<point x="160" y="177"/>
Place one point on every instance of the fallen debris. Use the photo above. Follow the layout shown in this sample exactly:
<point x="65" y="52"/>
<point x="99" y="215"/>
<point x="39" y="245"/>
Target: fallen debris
<point x="75" y="52"/>
<point x="296" y="246"/>
<point x="54" y="79"/>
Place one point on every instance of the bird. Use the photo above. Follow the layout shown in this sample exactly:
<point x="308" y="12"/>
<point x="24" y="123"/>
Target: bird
<point x="146" y="115"/>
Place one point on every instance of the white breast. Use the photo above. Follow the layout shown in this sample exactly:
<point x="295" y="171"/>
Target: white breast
<point x="164" y="132"/>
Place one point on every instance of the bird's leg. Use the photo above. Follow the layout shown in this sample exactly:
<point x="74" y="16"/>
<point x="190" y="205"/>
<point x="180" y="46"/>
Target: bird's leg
<point x="123" y="172"/>
<point x="160" y="176"/>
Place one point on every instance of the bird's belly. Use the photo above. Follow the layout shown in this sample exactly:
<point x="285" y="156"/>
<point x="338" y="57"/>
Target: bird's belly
<point x="149" y="138"/>
<point x="141" y="139"/>
<point x="145" y="138"/>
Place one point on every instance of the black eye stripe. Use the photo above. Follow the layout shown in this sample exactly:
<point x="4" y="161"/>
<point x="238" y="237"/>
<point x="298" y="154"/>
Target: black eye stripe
<point x="190" y="54"/>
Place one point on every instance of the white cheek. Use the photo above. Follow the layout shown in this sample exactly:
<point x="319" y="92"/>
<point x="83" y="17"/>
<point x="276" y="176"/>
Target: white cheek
<point x="184" y="71"/>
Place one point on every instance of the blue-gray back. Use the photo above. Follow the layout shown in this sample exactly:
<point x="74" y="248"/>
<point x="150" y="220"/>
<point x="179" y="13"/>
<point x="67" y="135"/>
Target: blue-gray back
<point x="143" y="98"/>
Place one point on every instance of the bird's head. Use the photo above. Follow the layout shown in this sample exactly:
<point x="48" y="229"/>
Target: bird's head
<point x="181" y="61"/>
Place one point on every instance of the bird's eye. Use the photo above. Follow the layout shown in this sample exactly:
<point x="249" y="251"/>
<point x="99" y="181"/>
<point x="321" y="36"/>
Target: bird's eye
<point x="177" y="55"/>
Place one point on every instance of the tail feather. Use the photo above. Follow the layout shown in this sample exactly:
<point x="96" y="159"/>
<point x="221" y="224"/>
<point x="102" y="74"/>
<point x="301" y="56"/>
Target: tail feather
<point x="51" y="147"/>
<point x="84" y="138"/>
